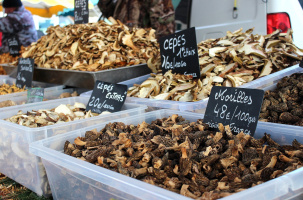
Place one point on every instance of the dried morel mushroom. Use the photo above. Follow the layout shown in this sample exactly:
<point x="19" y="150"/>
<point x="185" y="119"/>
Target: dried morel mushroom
<point x="285" y="103"/>
<point x="236" y="59"/>
<point x="186" y="157"/>
<point x="9" y="89"/>
<point x="46" y="117"/>
<point x="93" y="47"/>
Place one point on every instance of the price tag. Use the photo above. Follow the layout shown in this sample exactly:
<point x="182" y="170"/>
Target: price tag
<point x="13" y="45"/>
<point x="179" y="53"/>
<point x="25" y="72"/>
<point x="81" y="11"/>
<point x="107" y="97"/>
<point x="237" y="107"/>
<point x="35" y="95"/>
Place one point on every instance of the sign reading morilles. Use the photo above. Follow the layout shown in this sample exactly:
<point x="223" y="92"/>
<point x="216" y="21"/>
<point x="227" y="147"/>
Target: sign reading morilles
<point x="25" y="72"/>
<point x="107" y="97"/>
<point x="179" y="53"/>
<point x="35" y="95"/>
<point x="81" y="11"/>
<point x="237" y="107"/>
<point x="13" y="45"/>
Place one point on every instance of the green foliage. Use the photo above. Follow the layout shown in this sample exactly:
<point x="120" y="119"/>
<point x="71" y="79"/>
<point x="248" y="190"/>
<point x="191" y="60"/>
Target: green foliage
<point x="21" y="193"/>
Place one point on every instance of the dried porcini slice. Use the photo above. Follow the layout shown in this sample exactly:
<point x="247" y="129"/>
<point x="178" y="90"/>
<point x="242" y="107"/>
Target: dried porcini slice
<point x="127" y="40"/>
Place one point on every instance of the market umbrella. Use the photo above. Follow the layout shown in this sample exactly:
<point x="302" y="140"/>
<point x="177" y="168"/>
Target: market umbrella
<point x="47" y="8"/>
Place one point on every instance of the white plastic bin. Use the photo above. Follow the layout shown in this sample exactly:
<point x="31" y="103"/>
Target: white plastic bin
<point x="286" y="128"/>
<point x="15" y="160"/>
<point x="71" y="178"/>
<point x="47" y="87"/>
<point x="3" y="76"/>
<point x="48" y="95"/>
<point x="199" y="106"/>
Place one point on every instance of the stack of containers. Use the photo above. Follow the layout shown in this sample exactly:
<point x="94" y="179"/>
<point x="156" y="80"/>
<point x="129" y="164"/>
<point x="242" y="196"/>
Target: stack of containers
<point x="199" y="106"/>
<point x="71" y="178"/>
<point x="15" y="160"/>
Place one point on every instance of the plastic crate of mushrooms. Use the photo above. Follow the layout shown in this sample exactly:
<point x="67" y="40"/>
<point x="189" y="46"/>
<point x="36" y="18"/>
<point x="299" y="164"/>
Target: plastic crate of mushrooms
<point x="236" y="59"/>
<point x="283" y="103"/>
<point x="32" y="122"/>
<point x="175" y="152"/>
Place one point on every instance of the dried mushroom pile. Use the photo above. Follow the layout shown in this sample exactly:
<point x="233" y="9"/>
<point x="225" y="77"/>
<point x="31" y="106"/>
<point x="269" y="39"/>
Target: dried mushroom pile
<point x="236" y="59"/>
<point x="186" y="157"/>
<point x="9" y="89"/>
<point x="93" y="47"/>
<point x="7" y="58"/>
<point x="46" y="117"/>
<point x="253" y="56"/>
<point x="171" y="86"/>
<point x="285" y="103"/>
<point x="2" y="71"/>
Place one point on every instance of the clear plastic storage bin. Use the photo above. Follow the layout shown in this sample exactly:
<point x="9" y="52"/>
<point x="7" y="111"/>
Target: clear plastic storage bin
<point x="47" y="87"/>
<point x="199" y="106"/>
<point x="294" y="130"/>
<point x="3" y="76"/>
<point x="48" y="95"/>
<point x="15" y="160"/>
<point x="71" y="178"/>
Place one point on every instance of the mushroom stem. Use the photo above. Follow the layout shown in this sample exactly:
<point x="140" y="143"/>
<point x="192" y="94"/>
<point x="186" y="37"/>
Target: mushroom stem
<point x="184" y="191"/>
<point x="140" y="171"/>
<point x="272" y="162"/>
<point x="297" y="153"/>
<point x="79" y="142"/>
<point x="276" y="173"/>
<point x="283" y="158"/>
<point x="184" y="154"/>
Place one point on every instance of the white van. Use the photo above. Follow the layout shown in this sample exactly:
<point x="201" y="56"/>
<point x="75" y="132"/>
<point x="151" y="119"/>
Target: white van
<point x="212" y="18"/>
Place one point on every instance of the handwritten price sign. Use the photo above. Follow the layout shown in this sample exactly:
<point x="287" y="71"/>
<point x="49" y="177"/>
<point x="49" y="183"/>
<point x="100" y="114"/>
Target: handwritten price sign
<point x="237" y="107"/>
<point x="25" y="72"/>
<point x="81" y="11"/>
<point x="35" y="95"/>
<point x="179" y="53"/>
<point x="107" y="97"/>
<point x="13" y="45"/>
